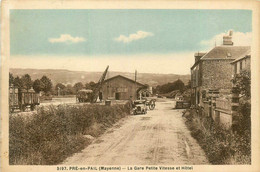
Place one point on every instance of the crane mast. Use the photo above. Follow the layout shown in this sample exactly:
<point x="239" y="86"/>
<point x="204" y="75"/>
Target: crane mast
<point x="99" y="86"/>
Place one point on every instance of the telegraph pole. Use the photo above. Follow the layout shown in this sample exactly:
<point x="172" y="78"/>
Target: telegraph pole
<point x="135" y="83"/>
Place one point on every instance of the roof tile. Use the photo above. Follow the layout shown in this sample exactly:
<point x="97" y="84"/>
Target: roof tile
<point x="226" y="52"/>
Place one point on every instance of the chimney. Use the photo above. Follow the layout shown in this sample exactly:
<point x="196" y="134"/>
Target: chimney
<point x="227" y="39"/>
<point x="198" y="55"/>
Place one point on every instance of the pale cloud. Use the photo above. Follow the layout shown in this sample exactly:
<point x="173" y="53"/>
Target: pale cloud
<point x="133" y="37"/>
<point x="172" y="63"/>
<point x="66" y="38"/>
<point x="238" y="38"/>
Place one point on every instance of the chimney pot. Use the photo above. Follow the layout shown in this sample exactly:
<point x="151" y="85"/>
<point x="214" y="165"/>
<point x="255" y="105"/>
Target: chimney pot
<point x="227" y="39"/>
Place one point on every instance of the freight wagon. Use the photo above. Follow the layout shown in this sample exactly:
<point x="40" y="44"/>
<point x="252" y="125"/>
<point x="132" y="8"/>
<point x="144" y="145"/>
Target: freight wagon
<point x="22" y="98"/>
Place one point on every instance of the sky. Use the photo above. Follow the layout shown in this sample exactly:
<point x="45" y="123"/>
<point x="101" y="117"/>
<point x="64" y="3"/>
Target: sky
<point x="152" y="41"/>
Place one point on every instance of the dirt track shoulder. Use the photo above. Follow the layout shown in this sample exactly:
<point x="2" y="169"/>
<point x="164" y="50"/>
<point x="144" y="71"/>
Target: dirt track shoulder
<point x="159" y="137"/>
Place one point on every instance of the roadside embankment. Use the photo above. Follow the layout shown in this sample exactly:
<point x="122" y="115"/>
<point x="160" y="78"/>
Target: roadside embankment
<point x="221" y="146"/>
<point x="56" y="132"/>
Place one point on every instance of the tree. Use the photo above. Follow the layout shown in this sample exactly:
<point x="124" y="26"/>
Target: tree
<point x="78" y="86"/>
<point x="11" y="79"/>
<point x="169" y="87"/>
<point x="69" y="89"/>
<point x="178" y="85"/>
<point x="91" y="85"/>
<point x="188" y="86"/>
<point x="47" y="84"/>
<point x="18" y="82"/>
<point x="38" y="85"/>
<point x="242" y="83"/>
<point x="26" y="81"/>
<point x="60" y="87"/>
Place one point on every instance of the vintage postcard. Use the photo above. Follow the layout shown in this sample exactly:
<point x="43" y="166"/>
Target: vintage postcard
<point x="130" y="86"/>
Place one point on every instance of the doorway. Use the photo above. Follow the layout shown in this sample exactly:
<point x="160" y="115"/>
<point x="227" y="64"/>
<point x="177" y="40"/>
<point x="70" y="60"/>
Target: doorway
<point x="117" y="96"/>
<point x="100" y="96"/>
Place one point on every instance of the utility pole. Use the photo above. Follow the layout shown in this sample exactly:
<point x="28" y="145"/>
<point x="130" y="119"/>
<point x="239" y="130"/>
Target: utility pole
<point x="135" y="83"/>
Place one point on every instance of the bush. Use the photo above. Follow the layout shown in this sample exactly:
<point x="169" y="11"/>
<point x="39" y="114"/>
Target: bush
<point x="56" y="132"/>
<point x="221" y="146"/>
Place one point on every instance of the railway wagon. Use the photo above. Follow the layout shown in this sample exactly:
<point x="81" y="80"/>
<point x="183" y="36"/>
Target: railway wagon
<point x="21" y="99"/>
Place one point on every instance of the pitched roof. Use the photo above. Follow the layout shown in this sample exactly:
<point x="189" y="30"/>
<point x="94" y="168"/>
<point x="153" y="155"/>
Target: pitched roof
<point x="226" y="52"/>
<point x="242" y="56"/>
<point x="120" y="76"/>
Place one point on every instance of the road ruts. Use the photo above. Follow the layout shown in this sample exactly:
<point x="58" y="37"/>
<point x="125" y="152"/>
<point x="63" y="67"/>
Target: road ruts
<point x="158" y="138"/>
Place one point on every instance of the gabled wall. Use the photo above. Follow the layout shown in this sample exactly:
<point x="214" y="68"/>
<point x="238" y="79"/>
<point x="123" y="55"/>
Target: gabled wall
<point x="120" y="87"/>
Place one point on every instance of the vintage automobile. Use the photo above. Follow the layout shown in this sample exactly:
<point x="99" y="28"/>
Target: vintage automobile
<point x="84" y="95"/>
<point x="140" y="107"/>
<point x="151" y="104"/>
<point x="22" y="98"/>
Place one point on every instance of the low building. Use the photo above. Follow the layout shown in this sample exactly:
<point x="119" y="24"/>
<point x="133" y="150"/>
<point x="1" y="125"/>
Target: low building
<point x="120" y="88"/>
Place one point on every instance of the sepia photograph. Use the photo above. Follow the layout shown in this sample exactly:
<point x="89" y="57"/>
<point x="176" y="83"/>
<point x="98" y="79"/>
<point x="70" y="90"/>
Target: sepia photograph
<point x="129" y="89"/>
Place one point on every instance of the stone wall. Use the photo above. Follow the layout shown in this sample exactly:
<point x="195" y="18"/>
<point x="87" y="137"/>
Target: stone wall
<point x="216" y="74"/>
<point x="225" y="119"/>
<point x="224" y="104"/>
<point x="223" y="113"/>
<point x="243" y="64"/>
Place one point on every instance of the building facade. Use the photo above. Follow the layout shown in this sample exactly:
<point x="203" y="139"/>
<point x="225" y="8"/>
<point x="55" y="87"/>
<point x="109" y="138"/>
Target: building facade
<point x="241" y="64"/>
<point x="211" y="77"/>
<point x="120" y="88"/>
<point x="213" y="70"/>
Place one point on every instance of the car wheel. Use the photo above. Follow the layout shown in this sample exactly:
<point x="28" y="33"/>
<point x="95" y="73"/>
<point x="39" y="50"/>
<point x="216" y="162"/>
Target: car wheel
<point x="32" y="107"/>
<point x="152" y="106"/>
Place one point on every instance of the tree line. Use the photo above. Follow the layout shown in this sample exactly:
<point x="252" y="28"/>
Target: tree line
<point x="45" y="85"/>
<point x="172" y="86"/>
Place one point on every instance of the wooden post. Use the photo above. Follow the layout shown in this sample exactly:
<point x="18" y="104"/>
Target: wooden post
<point x="135" y="83"/>
<point x="234" y="106"/>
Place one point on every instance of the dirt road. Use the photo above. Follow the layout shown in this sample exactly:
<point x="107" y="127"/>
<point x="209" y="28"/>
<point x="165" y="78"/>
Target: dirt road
<point x="159" y="137"/>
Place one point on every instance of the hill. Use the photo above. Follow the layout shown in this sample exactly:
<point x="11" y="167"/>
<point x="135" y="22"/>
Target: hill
<point x="72" y="77"/>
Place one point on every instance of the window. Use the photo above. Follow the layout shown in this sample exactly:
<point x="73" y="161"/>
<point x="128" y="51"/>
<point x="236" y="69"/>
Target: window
<point x="241" y="67"/>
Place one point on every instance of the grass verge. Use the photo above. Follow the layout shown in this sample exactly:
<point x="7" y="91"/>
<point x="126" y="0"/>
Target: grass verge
<point x="221" y="146"/>
<point x="56" y="132"/>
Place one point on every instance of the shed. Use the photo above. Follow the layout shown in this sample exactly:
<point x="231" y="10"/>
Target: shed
<point x="120" y="88"/>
